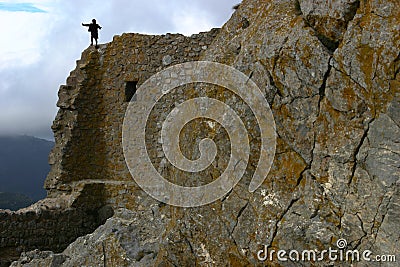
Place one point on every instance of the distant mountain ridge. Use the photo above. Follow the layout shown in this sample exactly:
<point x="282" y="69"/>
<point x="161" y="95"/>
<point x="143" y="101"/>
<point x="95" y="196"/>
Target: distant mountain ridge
<point x="24" y="166"/>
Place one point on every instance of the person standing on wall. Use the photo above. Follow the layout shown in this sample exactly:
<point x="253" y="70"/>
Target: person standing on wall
<point x="93" y="29"/>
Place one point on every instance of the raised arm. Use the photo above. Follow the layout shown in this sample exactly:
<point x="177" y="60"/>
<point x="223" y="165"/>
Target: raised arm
<point x="83" y="24"/>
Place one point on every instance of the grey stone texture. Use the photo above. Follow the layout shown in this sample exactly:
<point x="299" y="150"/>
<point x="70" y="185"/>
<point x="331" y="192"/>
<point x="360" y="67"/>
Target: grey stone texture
<point x="331" y="76"/>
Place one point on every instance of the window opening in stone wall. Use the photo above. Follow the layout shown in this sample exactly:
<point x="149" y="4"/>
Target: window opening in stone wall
<point x="130" y="90"/>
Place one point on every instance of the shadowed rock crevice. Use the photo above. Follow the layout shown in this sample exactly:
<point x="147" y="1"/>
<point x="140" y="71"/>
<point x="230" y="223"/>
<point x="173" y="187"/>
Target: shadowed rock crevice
<point x="327" y="42"/>
<point x="297" y="8"/>
<point x="329" y="27"/>
<point x="396" y="67"/>
<point x="322" y="89"/>
<point x="279" y="221"/>
<point x="357" y="151"/>
<point x="238" y="217"/>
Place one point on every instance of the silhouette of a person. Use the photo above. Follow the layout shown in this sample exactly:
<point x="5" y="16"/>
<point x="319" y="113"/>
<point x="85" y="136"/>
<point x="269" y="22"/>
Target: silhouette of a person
<point x="93" y="29"/>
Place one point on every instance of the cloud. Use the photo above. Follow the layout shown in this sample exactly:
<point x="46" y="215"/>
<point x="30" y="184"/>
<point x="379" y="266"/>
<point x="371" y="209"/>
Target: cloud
<point x="38" y="50"/>
<point x="22" y="42"/>
<point x="20" y="7"/>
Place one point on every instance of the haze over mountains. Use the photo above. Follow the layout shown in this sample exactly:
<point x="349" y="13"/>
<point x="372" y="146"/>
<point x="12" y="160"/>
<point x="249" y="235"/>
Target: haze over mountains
<point x="23" y="169"/>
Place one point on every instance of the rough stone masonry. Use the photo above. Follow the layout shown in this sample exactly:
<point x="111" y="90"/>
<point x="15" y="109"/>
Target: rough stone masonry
<point x="329" y="69"/>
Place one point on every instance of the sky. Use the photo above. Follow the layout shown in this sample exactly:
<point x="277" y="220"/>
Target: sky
<point x="42" y="39"/>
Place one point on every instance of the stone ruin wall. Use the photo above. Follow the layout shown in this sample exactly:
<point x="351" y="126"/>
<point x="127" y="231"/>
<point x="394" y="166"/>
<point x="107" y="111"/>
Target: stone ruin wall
<point x="88" y="170"/>
<point x="88" y="127"/>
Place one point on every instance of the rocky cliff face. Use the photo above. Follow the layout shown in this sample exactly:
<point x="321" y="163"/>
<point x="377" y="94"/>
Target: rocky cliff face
<point x="330" y="73"/>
